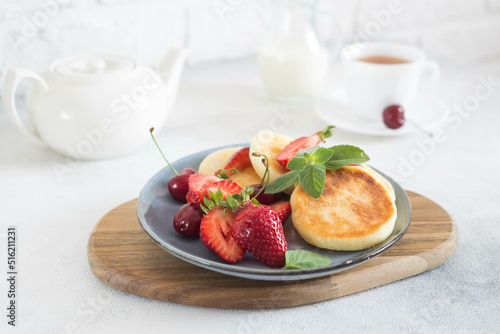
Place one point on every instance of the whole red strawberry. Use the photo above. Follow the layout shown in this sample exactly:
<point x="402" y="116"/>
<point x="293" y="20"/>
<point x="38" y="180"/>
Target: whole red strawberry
<point x="258" y="229"/>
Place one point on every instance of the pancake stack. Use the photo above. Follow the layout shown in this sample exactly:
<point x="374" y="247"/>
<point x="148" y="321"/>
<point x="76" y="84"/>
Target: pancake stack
<point x="356" y="211"/>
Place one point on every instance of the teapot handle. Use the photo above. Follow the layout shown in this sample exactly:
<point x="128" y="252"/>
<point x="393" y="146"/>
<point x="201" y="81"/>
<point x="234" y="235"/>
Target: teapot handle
<point x="12" y="80"/>
<point x="333" y="50"/>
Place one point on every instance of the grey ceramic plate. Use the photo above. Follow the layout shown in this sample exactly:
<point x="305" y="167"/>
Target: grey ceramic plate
<point x="156" y="209"/>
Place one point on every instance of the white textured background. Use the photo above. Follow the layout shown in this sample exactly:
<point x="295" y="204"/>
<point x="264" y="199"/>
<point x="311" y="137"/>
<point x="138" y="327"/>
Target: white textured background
<point x="58" y="292"/>
<point x="464" y="31"/>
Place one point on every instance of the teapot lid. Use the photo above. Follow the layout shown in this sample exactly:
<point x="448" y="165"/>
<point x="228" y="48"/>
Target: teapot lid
<point x="87" y="67"/>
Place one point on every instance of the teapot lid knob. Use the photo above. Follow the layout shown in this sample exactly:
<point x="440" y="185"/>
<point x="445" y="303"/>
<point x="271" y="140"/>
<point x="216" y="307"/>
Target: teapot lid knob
<point x="93" y="66"/>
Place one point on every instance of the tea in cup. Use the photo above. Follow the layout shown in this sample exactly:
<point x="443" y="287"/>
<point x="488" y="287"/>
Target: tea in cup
<point x="379" y="74"/>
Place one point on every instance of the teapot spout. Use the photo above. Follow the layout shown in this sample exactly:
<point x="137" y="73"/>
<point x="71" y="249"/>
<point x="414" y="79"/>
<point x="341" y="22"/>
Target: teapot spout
<point x="170" y="68"/>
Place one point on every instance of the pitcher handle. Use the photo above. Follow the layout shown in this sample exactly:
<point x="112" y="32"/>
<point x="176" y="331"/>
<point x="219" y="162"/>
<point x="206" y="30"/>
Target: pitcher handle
<point x="12" y="80"/>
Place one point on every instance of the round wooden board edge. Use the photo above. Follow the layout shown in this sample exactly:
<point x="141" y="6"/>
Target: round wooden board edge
<point x="119" y="281"/>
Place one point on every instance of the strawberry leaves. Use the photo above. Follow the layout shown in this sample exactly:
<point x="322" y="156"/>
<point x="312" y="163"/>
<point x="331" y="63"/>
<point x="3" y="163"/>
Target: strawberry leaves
<point x="309" y="166"/>
<point x="326" y="132"/>
<point x="231" y="202"/>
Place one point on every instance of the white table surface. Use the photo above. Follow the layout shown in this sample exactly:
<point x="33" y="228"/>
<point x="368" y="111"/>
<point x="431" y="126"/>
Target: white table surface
<point x="221" y="104"/>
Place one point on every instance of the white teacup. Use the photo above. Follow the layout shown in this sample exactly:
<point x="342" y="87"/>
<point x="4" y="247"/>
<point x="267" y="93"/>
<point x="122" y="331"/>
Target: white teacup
<point x="372" y="85"/>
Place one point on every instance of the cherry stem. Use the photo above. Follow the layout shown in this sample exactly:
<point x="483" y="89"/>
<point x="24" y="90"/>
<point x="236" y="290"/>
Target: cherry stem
<point x="265" y="161"/>
<point x="159" y="149"/>
<point x="418" y="127"/>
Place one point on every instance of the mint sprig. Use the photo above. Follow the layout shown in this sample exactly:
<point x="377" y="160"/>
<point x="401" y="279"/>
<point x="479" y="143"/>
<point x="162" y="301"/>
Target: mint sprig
<point x="303" y="259"/>
<point x="312" y="178"/>
<point x="309" y="167"/>
<point x="346" y="155"/>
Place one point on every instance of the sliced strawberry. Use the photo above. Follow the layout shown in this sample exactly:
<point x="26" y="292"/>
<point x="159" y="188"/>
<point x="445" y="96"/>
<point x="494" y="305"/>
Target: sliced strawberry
<point x="215" y="234"/>
<point x="283" y="209"/>
<point x="239" y="160"/>
<point x="227" y="187"/>
<point x="197" y="185"/>
<point x="257" y="229"/>
<point x="289" y="152"/>
<point x="189" y="198"/>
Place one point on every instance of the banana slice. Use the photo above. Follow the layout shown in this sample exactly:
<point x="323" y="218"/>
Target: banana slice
<point x="216" y="160"/>
<point x="271" y="144"/>
<point x="246" y="177"/>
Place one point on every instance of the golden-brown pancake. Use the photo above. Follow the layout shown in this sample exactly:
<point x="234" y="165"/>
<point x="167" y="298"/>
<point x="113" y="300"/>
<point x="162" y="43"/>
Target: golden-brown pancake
<point x="355" y="211"/>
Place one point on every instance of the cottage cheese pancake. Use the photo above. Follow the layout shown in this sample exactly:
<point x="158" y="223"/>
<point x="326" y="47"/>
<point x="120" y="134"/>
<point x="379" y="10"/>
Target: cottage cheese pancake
<point x="355" y="211"/>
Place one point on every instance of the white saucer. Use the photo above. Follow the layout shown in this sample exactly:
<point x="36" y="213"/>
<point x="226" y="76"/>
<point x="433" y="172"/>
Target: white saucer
<point x="427" y="111"/>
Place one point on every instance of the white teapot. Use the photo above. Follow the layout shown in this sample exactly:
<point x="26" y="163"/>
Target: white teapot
<point x="95" y="106"/>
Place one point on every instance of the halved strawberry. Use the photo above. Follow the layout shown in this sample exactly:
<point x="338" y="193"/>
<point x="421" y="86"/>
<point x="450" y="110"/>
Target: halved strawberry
<point x="239" y="160"/>
<point x="215" y="234"/>
<point x="189" y="198"/>
<point x="227" y="187"/>
<point x="197" y="185"/>
<point x="258" y="230"/>
<point x="289" y="152"/>
<point x="283" y="209"/>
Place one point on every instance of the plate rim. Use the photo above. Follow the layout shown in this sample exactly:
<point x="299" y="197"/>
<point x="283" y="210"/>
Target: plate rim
<point x="267" y="274"/>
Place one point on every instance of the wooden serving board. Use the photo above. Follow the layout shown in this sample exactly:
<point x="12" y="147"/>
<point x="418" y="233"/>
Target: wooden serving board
<point x="124" y="257"/>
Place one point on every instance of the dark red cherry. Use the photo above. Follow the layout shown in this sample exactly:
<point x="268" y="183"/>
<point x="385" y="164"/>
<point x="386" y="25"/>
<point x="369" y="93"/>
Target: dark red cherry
<point x="394" y="116"/>
<point x="178" y="186"/>
<point x="263" y="198"/>
<point x="187" y="220"/>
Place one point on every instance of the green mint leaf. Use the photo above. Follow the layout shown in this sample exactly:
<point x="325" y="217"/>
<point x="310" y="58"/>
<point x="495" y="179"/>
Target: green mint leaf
<point x="312" y="180"/>
<point x="326" y="132"/>
<point x="345" y="155"/>
<point x="321" y="155"/>
<point x="283" y="182"/>
<point x="308" y="157"/>
<point x="310" y="150"/>
<point x="303" y="259"/>
<point x="297" y="164"/>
